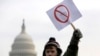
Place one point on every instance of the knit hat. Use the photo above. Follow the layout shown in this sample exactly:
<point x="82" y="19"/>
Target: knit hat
<point x="52" y="42"/>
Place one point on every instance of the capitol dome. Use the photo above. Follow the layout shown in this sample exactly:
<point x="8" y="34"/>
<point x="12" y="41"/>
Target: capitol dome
<point x="23" y="45"/>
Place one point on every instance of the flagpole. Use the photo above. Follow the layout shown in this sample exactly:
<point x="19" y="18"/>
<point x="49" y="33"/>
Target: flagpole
<point x="73" y="26"/>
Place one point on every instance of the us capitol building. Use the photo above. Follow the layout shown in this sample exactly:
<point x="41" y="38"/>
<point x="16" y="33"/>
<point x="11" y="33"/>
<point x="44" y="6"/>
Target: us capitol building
<point x="23" y="45"/>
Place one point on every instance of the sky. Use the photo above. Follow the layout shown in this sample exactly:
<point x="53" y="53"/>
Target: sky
<point x="40" y="28"/>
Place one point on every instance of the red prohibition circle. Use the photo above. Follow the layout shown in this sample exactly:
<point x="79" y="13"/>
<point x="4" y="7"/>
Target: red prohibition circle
<point x="67" y="16"/>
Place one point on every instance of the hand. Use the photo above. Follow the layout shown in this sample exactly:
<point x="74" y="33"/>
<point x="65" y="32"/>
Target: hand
<point x="77" y="34"/>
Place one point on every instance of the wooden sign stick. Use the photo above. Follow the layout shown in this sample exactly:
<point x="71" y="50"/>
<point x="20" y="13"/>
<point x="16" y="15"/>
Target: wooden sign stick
<point x="73" y="26"/>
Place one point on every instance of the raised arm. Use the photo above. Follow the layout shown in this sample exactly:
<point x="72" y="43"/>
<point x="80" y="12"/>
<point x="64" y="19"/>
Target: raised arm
<point x="73" y="46"/>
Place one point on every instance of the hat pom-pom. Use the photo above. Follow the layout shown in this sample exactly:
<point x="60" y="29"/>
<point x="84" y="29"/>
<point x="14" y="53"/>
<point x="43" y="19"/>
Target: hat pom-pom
<point x="52" y="39"/>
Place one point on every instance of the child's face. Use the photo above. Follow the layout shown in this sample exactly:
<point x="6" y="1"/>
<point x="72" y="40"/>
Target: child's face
<point x="51" y="51"/>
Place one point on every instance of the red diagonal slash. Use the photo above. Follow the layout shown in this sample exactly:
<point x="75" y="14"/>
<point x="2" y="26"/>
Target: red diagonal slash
<point x="67" y="16"/>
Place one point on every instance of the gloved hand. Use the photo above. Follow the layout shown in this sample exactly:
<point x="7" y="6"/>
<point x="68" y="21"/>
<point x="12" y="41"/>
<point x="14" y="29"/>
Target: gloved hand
<point x="77" y="34"/>
<point x="76" y="37"/>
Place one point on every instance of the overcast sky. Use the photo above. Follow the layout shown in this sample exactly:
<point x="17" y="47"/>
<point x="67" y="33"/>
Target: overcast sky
<point x="40" y="27"/>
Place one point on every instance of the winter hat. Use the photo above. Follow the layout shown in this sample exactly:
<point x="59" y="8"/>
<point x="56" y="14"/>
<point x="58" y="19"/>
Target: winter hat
<point x="52" y="42"/>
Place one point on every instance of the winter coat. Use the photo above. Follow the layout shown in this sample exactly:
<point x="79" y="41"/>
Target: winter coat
<point x="72" y="49"/>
